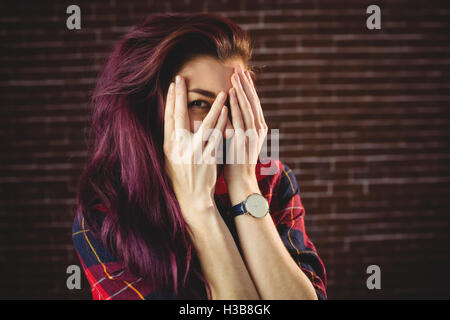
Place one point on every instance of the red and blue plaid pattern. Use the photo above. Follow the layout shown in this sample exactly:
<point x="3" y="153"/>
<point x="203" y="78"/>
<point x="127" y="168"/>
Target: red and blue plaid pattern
<point x="110" y="280"/>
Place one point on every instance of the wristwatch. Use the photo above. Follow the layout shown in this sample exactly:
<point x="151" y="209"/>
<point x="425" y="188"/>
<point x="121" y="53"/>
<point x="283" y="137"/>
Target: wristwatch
<point x="255" y="205"/>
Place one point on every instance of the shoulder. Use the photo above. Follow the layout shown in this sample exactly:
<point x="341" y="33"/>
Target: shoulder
<point x="88" y="245"/>
<point x="107" y="276"/>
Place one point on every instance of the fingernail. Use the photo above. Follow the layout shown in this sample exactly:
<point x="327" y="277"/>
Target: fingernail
<point x="178" y="79"/>
<point x="224" y="110"/>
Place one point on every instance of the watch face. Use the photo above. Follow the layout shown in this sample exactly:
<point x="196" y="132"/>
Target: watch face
<point x="257" y="205"/>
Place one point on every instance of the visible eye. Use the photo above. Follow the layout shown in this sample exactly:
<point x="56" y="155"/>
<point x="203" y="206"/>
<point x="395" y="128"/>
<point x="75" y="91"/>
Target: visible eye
<point x="201" y="104"/>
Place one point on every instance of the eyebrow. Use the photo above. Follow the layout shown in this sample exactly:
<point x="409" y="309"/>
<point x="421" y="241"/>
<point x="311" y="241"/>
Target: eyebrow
<point x="205" y="93"/>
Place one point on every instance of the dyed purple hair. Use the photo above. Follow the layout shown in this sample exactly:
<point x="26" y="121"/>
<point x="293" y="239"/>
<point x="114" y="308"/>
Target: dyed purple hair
<point x="144" y="227"/>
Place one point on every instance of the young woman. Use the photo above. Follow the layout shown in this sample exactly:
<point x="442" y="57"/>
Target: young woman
<point x="153" y="224"/>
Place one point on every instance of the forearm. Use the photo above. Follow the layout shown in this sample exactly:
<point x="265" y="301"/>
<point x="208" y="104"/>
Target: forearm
<point x="275" y="274"/>
<point x="221" y="262"/>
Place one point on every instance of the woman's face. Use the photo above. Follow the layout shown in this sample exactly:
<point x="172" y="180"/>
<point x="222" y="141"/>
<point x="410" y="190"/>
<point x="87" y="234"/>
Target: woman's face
<point x="205" y="78"/>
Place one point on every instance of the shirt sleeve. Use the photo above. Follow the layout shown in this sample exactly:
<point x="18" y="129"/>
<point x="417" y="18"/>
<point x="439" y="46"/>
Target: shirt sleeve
<point x="107" y="277"/>
<point x="289" y="218"/>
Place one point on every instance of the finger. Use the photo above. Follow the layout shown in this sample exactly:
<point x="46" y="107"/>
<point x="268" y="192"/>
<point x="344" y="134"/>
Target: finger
<point x="250" y="79"/>
<point x="236" y="116"/>
<point x="252" y="97"/>
<point x="211" y="118"/>
<point x="181" y="115"/>
<point x="244" y="104"/>
<point x="246" y="85"/>
<point x="257" y="101"/>
<point x="168" y="111"/>
<point x="220" y="126"/>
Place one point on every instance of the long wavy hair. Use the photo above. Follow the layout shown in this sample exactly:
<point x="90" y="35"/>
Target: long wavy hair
<point x="144" y="227"/>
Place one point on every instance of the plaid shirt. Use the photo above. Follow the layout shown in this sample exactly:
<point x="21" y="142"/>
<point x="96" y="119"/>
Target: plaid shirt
<point x="110" y="280"/>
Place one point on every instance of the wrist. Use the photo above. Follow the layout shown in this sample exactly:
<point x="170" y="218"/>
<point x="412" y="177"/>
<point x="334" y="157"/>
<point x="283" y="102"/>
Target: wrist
<point x="195" y="206"/>
<point x="195" y="200"/>
<point x="240" y="190"/>
<point x="202" y="224"/>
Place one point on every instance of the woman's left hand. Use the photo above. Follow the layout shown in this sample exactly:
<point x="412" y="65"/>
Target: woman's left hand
<point x="250" y="130"/>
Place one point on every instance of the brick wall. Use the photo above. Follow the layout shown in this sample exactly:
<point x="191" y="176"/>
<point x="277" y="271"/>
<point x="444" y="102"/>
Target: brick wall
<point x="363" y="116"/>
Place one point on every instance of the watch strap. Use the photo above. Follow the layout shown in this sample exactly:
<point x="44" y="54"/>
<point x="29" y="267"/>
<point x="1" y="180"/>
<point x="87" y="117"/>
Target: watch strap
<point x="238" y="209"/>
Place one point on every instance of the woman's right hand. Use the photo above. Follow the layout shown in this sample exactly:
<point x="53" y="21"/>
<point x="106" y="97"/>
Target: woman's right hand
<point x="193" y="177"/>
